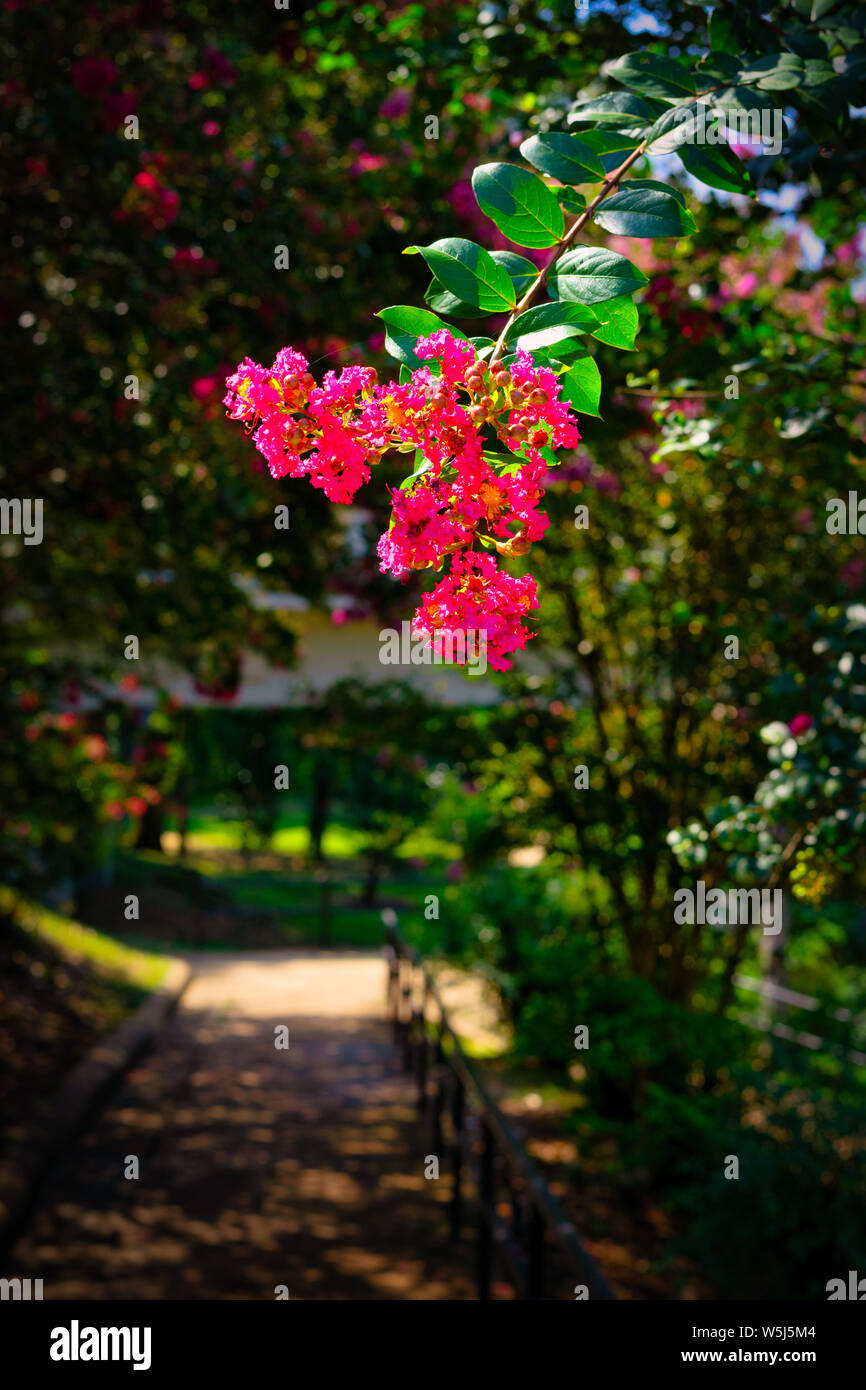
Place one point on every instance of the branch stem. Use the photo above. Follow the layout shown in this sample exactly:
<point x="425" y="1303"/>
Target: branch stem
<point x="610" y="183"/>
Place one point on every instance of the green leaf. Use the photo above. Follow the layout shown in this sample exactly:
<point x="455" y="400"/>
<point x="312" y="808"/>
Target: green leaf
<point x="571" y="202"/>
<point x="520" y="271"/>
<point x="717" y="166"/>
<point x="558" y="314"/>
<point x="818" y="71"/>
<point x="777" y="72"/>
<point x="618" y="323"/>
<point x="563" y="157"/>
<point x="592" y="275"/>
<point x="675" y="127"/>
<point x="523" y="208"/>
<point x="653" y="76"/>
<point x="737" y="98"/>
<point x="422" y="466"/>
<point x="617" y="108"/>
<point x="717" y="68"/>
<point x="660" y="187"/>
<point x="444" y="302"/>
<point x="645" y="212"/>
<point x="482" y="346"/>
<point x="581" y="386"/>
<point x="404" y="325"/>
<point x="611" y="147"/>
<point x="469" y="272"/>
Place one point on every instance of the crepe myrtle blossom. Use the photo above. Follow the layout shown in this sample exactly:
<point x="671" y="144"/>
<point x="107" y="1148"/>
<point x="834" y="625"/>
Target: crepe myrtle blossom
<point x="481" y="437"/>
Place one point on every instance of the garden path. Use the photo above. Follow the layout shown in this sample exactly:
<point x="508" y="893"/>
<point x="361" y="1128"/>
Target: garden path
<point x="259" y="1166"/>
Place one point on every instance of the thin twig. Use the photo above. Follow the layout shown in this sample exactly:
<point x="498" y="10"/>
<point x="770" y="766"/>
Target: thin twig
<point x="562" y="245"/>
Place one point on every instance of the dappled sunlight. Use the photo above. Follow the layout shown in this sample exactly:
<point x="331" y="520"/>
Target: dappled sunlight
<point x="310" y="1157"/>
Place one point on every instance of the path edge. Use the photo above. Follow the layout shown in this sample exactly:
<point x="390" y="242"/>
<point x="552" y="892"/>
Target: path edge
<point x="25" y="1168"/>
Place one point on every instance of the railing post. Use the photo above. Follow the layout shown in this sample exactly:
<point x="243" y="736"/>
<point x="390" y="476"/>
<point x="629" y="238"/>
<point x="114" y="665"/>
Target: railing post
<point x="422" y="1062"/>
<point x="438" y="1096"/>
<point x="393" y="997"/>
<point x="477" y="1138"/>
<point x="457" y="1115"/>
<point x="406" y="1010"/>
<point x="485" y="1212"/>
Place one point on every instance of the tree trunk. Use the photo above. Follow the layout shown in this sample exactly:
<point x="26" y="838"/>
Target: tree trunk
<point x="320" y="805"/>
<point x="151" y="828"/>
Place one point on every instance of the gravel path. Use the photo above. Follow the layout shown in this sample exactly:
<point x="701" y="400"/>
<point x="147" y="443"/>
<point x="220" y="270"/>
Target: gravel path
<point x="258" y="1167"/>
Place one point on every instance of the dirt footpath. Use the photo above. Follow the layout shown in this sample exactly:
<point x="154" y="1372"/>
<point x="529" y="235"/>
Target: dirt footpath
<point x="258" y="1166"/>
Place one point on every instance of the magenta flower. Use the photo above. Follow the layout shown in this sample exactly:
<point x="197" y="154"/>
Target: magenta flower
<point x="800" y="723"/>
<point x="336" y="432"/>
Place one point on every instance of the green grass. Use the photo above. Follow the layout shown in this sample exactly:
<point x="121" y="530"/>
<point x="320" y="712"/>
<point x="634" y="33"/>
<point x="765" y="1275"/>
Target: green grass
<point x="143" y="969"/>
<point x="292" y="838"/>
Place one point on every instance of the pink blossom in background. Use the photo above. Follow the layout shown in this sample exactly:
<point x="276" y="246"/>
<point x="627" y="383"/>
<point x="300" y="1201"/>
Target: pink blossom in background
<point x="91" y="77"/>
<point x="395" y="105"/>
<point x="116" y="106"/>
<point x="800" y="723"/>
<point x="219" y="68"/>
<point x="853" y="573"/>
<point x="204" y="386"/>
<point x="367" y="163"/>
<point x="745" y="285"/>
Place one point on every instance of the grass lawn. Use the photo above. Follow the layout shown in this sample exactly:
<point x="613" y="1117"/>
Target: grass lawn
<point x="64" y="987"/>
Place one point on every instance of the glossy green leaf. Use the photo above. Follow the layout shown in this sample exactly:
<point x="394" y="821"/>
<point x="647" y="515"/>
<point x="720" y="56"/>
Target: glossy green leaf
<point x="563" y="157"/>
<point x="570" y="202"/>
<point x="611" y="146"/>
<point x="618" y="108"/>
<point x="522" y="206"/>
<point x="717" y="68"/>
<point x="668" y="188"/>
<point x="581" y="386"/>
<point x="677" y="126"/>
<point x="717" y="166"/>
<point x="739" y="98"/>
<point x="652" y="75"/>
<point x="592" y="275"/>
<point x="520" y="271"/>
<point x="469" y="272"/>
<point x="618" y="323"/>
<point x="444" y="302"/>
<point x="404" y="325"/>
<point x="545" y="315"/>
<point x="777" y="72"/>
<point x="422" y="466"/>
<point x="483" y="346"/>
<point x="645" y="212"/>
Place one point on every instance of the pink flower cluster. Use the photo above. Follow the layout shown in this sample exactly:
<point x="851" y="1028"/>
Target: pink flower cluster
<point x="451" y="415"/>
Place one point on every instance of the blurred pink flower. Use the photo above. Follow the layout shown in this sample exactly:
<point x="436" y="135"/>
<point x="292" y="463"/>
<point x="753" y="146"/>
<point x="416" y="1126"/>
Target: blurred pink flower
<point x="395" y="105"/>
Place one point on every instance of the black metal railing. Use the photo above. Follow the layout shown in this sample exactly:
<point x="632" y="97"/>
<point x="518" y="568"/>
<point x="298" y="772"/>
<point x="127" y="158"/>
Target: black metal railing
<point x="518" y="1218"/>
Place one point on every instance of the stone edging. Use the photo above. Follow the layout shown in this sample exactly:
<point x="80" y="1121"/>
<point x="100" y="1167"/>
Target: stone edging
<point x="24" y="1169"/>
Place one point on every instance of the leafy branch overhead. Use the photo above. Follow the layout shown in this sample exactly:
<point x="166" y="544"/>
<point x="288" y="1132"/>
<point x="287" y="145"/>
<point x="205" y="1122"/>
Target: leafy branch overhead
<point x="583" y="292"/>
<point x="483" y="416"/>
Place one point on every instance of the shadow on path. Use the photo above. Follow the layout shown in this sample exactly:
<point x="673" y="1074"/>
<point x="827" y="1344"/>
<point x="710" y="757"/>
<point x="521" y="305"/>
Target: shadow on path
<point x="258" y="1167"/>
